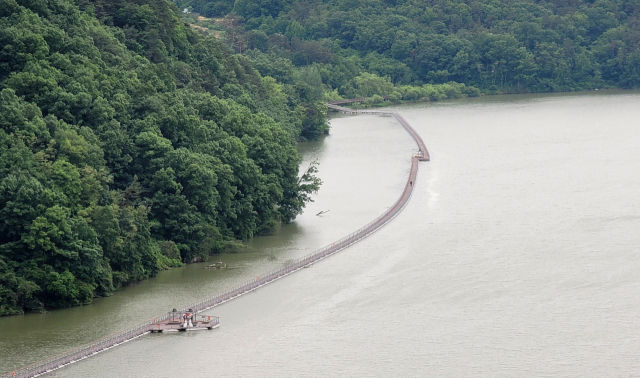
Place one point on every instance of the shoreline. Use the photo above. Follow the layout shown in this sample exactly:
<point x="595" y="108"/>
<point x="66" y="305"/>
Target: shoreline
<point x="387" y="104"/>
<point x="118" y="338"/>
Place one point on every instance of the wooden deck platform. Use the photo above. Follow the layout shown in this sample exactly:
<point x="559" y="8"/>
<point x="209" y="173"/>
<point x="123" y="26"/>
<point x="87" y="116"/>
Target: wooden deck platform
<point x="202" y="322"/>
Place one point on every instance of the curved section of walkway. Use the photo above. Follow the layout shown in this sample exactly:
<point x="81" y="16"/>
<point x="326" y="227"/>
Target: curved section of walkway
<point x="423" y="154"/>
<point x="422" y="149"/>
<point x="128" y="334"/>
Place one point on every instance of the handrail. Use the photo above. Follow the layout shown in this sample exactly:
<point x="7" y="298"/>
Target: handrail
<point x="130" y="333"/>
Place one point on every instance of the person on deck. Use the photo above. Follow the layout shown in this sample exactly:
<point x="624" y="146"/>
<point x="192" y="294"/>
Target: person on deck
<point x="187" y="317"/>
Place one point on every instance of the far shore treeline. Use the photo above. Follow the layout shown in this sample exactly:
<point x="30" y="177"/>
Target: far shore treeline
<point x="418" y="50"/>
<point x="130" y="143"/>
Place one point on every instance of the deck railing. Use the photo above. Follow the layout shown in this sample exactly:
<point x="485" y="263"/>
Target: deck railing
<point x="110" y="341"/>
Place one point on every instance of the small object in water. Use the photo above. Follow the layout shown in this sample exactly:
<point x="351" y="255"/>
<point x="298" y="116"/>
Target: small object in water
<point x="218" y="265"/>
<point x="323" y="212"/>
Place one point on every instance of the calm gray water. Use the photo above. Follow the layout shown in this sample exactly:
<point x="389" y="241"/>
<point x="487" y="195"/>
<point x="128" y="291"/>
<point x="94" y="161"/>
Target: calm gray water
<point x="518" y="255"/>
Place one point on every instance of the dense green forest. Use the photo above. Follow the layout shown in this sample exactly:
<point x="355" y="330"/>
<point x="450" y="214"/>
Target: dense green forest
<point x="497" y="46"/>
<point x="130" y="143"/>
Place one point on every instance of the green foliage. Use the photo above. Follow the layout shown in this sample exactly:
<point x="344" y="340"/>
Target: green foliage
<point x="129" y="144"/>
<point x="367" y="85"/>
<point x="258" y="8"/>
<point x="498" y="46"/>
<point x="307" y="184"/>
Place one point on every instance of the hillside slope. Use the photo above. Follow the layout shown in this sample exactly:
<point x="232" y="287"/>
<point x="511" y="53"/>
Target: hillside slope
<point x="499" y="46"/>
<point x="130" y="143"/>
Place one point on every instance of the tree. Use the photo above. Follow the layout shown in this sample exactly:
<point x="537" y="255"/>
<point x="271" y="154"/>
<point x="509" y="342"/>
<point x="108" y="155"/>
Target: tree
<point x="307" y="183"/>
<point x="129" y="144"/>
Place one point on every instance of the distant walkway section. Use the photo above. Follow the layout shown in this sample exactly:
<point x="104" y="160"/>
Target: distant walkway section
<point x="164" y="321"/>
<point x="423" y="154"/>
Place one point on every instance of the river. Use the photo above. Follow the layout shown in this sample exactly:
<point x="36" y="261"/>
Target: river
<point x="518" y="255"/>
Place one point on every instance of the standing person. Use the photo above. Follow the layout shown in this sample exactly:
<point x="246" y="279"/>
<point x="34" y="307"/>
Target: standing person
<point x="188" y="317"/>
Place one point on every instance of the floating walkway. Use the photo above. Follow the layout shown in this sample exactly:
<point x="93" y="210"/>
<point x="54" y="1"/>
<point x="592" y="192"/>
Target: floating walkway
<point x="423" y="154"/>
<point x="165" y="321"/>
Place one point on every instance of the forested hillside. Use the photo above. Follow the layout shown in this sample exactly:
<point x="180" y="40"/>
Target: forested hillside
<point x="498" y="46"/>
<point x="130" y="143"/>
